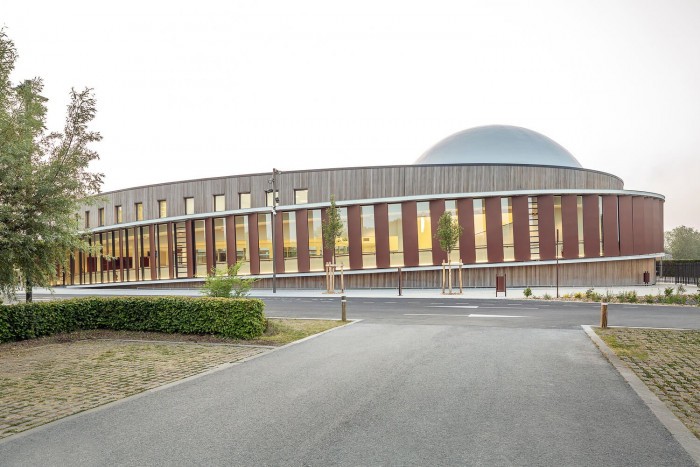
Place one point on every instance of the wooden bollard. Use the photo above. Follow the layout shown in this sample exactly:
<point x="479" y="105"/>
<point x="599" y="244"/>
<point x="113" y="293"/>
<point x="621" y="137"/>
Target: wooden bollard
<point x="343" y="305"/>
<point x="603" y="315"/>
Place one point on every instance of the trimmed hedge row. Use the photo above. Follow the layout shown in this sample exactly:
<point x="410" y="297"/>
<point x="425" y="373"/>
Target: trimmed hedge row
<point x="240" y="318"/>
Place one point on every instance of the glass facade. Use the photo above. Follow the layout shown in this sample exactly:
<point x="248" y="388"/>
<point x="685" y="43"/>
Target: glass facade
<point x="507" y="226"/>
<point x="128" y="255"/>
<point x="219" y="203"/>
<point x="242" y="244"/>
<point x="200" y="249"/>
<point x="480" y="231"/>
<point x="425" y="236"/>
<point x="189" y="206"/>
<point x="220" y="257"/>
<point x="265" y="242"/>
<point x="289" y="236"/>
<point x="342" y="245"/>
<point x="244" y="200"/>
<point x="118" y="219"/>
<point x="369" y="243"/>
<point x="138" y="208"/>
<point x="301" y="196"/>
<point x="87" y="219"/>
<point x="315" y="226"/>
<point x="534" y="224"/>
<point x="451" y="207"/>
<point x="181" y="259"/>
<point x="395" y="235"/>
<point x="162" y="209"/>
<point x="101" y="217"/>
<point x="162" y="252"/>
<point x="145" y="250"/>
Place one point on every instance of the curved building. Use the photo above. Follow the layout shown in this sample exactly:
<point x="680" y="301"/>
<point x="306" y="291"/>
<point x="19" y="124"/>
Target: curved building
<point x="523" y="201"/>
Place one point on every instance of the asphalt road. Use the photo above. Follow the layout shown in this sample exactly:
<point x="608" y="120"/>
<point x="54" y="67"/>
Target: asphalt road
<point x="413" y="384"/>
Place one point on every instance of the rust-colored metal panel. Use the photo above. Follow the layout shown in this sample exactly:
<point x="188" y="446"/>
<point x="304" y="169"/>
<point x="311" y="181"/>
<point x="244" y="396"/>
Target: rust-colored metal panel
<point x="639" y="225"/>
<point x="171" y="249"/>
<point x="152" y="241"/>
<point x="137" y="256"/>
<point x="465" y="214"/>
<point x="278" y="254"/>
<point x="355" y="237"/>
<point x="409" y="221"/>
<point x="121" y="255"/>
<point x="625" y="217"/>
<point x="569" y="225"/>
<point x="494" y="230"/>
<point x="381" y="234"/>
<point x="521" y="228"/>
<point x="303" y="260"/>
<point x="189" y="243"/>
<point x="545" y="221"/>
<point x="611" y="242"/>
<point x="649" y="209"/>
<point x="209" y="242"/>
<point x="254" y="243"/>
<point x="591" y="227"/>
<point x="230" y="240"/>
<point x="327" y="252"/>
<point x="437" y="208"/>
<point x="659" y="226"/>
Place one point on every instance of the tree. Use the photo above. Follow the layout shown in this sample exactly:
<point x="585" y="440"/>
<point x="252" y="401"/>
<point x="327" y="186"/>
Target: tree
<point x="43" y="177"/>
<point x="224" y="282"/>
<point x="448" y="233"/>
<point x="683" y="243"/>
<point x="332" y="227"/>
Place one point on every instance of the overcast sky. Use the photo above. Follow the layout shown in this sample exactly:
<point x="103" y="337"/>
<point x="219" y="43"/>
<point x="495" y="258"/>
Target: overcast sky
<point x="201" y="89"/>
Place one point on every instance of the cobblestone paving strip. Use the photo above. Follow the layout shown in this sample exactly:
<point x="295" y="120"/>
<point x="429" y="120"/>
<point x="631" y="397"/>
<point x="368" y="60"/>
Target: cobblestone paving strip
<point x="668" y="362"/>
<point x="39" y="384"/>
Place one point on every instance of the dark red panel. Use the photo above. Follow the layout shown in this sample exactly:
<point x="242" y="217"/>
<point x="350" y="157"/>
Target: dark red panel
<point x="409" y="218"/>
<point x="591" y="226"/>
<point x="230" y="240"/>
<point x="327" y="252"/>
<point x="303" y="261"/>
<point x="278" y="255"/>
<point x="494" y="230"/>
<point x="521" y="228"/>
<point x="626" y="225"/>
<point x="209" y="242"/>
<point x="660" y="247"/>
<point x="569" y="226"/>
<point x="189" y="241"/>
<point x="611" y="244"/>
<point x="545" y="221"/>
<point x="658" y="226"/>
<point x="254" y="243"/>
<point x="171" y="249"/>
<point x="437" y="209"/>
<point x="465" y="214"/>
<point x="639" y="224"/>
<point x="152" y="241"/>
<point x="355" y="237"/>
<point x="649" y="208"/>
<point x="381" y="234"/>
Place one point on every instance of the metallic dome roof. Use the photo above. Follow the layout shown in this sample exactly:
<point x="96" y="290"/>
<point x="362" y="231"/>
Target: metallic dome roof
<point x="498" y="144"/>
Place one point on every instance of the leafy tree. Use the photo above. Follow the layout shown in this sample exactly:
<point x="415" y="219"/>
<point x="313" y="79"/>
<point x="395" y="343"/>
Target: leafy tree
<point x="683" y="243"/>
<point x="43" y="176"/>
<point x="448" y="233"/>
<point x="332" y="227"/>
<point x="226" y="282"/>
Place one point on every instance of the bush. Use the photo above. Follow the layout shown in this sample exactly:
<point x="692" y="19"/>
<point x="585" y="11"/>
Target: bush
<point x="668" y="291"/>
<point x="589" y="294"/>
<point x="235" y="318"/>
<point x="527" y="292"/>
<point x="578" y="295"/>
<point x="224" y="282"/>
<point x="547" y="296"/>
<point x="649" y="298"/>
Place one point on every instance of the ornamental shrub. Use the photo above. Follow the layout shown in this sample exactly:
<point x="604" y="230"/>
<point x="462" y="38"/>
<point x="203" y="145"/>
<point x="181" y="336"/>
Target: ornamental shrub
<point x="527" y="292"/>
<point x="239" y="318"/>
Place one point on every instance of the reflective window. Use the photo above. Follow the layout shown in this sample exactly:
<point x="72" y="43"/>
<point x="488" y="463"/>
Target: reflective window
<point x="162" y="209"/>
<point x="269" y="199"/>
<point x="579" y="219"/>
<point x="451" y="207"/>
<point x="220" y="243"/>
<point x="200" y="249"/>
<point x="395" y="235"/>
<point x="557" y="226"/>
<point x="181" y="250"/>
<point x="138" y="207"/>
<point x="101" y="217"/>
<point x="189" y="206"/>
<point x="242" y="244"/>
<point x="162" y="252"/>
<point x="87" y="219"/>
<point x="118" y="214"/>
<point x="301" y="196"/>
<point x="480" y="231"/>
<point x="507" y="226"/>
<point x="342" y="246"/>
<point x="219" y="203"/>
<point x="289" y="236"/>
<point x="128" y="255"/>
<point x="145" y="248"/>
<point x="534" y="223"/>
<point x="369" y="244"/>
<point x="265" y="242"/>
<point x="315" y="226"/>
<point x="425" y="237"/>
<point x="244" y="200"/>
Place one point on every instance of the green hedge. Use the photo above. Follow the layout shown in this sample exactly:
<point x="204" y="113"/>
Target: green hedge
<point x="240" y="318"/>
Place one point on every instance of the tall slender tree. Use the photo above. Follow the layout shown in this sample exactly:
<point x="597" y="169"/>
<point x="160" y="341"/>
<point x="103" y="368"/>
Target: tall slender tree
<point x="332" y="227"/>
<point x="43" y="178"/>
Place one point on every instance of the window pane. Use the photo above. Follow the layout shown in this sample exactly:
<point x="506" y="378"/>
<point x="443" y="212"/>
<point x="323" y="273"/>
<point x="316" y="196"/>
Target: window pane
<point x="289" y="235"/>
<point x="315" y="240"/>
<point x="242" y="244"/>
<point x="301" y="196"/>
<point x="87" y="219"/>
<point x="220" y="243"/>
<point x="244" y="200"/>
<point x="480" y="231"/>
<point x="425" y="237"/>
<point x="269" y="199"/>
<point x="507" y="226"/>
<point x="265" y="242"/>
<point x="101" y="217"/>
<point x="129" y="257"/>
<point x="145" y="260"/>
<point x="189" y="205"/>
<point x="369" y="244"/>
<point x="200" y="250"/>
<point x="395" y="235"/>
<point x="451" y="207"/>
<point x="139" y="211"/>
<point x="534" y="222"/>
<point x="163" y="252"/>
<point x="162" y="209"/>
<point x="181" y="250"/>
<point x="219" y="203"/>
<point x="118" y="214"/>
<point x="342" y="246"/>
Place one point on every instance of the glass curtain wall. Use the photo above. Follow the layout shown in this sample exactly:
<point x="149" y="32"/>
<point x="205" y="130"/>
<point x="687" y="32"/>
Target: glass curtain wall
<point x="395" y="235"/>
<point x="507" y="226"/>
<point x="315" y="225"/>
<point x="451" y="207"/>
<point x="369" y="243"/>
<point x="425" y="236"/>
<point x="289" y="236"/>
<point x="480" y="231"/>
<point x="129" y="259"/>
<point x="557" y="226"/>
<point x="242" y="244"/>
<point x="579" y="221"/>
<point x="265" y="242"/>
<point x="534" y="223"/>
<point x="145" y="259"/>
<point x="220" y="257"/>
<point x="200" y="249"/>
<point x="162" y="252"/>
<point x="342" y="245"/>
<point x="181" y="251"/>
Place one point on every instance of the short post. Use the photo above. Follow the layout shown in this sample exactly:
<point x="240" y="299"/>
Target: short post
<point x="342" y="280"/>
<point x="460" y="275"/>
<point x="603" y="315"/>
<point x="343" y="305"/>
<point x="400" y="283"/>
<point x="443" y="278"/>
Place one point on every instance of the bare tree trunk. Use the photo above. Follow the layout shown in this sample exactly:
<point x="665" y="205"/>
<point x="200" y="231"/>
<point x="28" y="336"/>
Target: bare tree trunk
<point x="28" y="291"/>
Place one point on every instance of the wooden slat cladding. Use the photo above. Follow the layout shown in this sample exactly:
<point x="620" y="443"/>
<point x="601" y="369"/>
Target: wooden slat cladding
<point x="569" y="226"/>
<point x="521" y="228"/>
<point x="409" y="219"/>
<point x="545" y="206"/>
<point x="437" y="209"/>
<point x="494" y="230"/>
<point x="355" y="237"/>
<point x="465" y="214"/>
<point x="624" y="204"/>
<point x="611" y="243"/>
<point x="381" y="234"/>
<point x="591" y="226"/>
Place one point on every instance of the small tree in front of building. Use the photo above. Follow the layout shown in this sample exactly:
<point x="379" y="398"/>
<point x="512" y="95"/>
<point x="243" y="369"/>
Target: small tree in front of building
<point x="332" y="231"/>
<point x="448" y="233"/>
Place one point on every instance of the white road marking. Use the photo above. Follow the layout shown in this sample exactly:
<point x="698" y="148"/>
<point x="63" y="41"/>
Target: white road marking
<point x="433" y="314"/>
<point x="453" y="306"/>
<point x="464" y="316"/>
<point x="507" y="308"/>
<point x="495" y="316"/>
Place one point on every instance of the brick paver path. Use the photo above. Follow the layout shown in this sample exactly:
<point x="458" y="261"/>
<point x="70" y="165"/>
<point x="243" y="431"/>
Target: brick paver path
<point x="668" y="361"/>
<point x="39" y="384"/>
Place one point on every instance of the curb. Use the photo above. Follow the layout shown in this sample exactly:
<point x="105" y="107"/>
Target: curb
<point x="678" y="430"/>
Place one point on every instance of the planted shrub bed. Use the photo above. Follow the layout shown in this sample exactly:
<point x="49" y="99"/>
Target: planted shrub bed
<point x="239" y="318"/>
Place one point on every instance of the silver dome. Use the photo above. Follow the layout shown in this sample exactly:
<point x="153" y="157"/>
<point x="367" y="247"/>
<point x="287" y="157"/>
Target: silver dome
<point x="498" y="144"/>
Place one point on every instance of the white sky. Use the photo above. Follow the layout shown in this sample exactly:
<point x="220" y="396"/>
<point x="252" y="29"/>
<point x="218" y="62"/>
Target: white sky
<point x="201" y="89"/>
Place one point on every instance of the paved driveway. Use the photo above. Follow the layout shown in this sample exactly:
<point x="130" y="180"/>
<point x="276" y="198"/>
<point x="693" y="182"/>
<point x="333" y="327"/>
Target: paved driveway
<point x="380" y="394"/>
